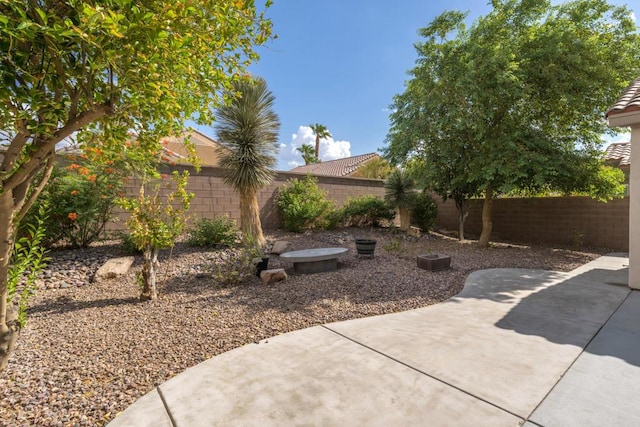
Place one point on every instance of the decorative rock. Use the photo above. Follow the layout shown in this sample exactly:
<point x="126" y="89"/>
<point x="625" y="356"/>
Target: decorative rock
<point x="274" y="275"/>
<point x="281" y="247"/>
<point x="113" y="268"/>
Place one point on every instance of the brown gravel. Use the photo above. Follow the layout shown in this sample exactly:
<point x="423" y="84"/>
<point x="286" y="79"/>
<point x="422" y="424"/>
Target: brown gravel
<point x="90" y="350"/>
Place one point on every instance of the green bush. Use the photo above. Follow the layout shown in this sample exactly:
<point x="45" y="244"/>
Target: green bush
<point x="80" y="198"/>
<point x="127" y="244"/>
<point x="219" y="230"/>
<point x="304" y="205"/>
<point x="367" y="211"/>
<point x="425" y="212"/>
<point x="237" y="266"/>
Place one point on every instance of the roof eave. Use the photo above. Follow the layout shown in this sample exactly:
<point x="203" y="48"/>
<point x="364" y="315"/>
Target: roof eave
<point x="624" y="119"/>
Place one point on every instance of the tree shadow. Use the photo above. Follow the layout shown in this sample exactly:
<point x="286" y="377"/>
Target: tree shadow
<point x="63" y="305"/>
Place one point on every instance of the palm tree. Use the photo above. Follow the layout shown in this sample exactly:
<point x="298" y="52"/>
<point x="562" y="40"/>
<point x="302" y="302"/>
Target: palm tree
<point x="248" y="130"/>
<point x="399" y="192"/>
<point x="321" y="132"/>
<point x="308" y="154"/>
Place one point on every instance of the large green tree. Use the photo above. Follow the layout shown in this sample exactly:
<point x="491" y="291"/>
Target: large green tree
<point x="320" y="132"/>
<point x="516" y="99"/>
<point x="112" y="67"/>
<point x="308" y="154"/>
<point x="248" y="130"/>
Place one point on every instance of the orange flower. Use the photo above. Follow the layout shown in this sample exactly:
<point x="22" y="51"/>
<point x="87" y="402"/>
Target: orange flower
<point x="74" y="192"/>
<point x="73" y="166"/>
<point x="92" y="178"/>
<point x="83" y="171"/>
<point x="109" y="170"/>
<point x="164" y="176"/>
<point x="72" y="216"/>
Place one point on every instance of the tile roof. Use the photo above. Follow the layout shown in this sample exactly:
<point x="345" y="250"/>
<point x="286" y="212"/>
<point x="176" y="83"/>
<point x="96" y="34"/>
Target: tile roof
<point x="339" y="167"/>
<point x="629" y="101"/>
<point x="618" y="153"/>
<point x="174" y="150"/>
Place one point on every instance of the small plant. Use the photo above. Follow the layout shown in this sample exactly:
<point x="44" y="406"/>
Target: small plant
<point x="399" y="193"/>
<point x="28" y="260"/>
<point x="219" y="230"/>
<point x="237" y="267"/>
<point x="128" y="245"/>
<point x="367" y="211"/>
<point x="304" y="205"/>
<point x="393" y="246"/>
<point x="425" y="212"/>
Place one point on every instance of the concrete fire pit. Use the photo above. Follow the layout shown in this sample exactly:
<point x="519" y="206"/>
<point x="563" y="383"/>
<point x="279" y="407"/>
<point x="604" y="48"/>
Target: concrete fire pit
<point x="314" y="260"/>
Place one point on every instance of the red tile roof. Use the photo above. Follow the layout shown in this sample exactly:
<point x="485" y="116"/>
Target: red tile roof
<point x="339" y="167"/>
<point x="629" y="101"/>
<point x="618" y="153"/>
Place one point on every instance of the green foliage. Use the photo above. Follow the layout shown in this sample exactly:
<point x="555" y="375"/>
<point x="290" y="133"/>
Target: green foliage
<point x="399" y="189"/>
<point x="321" y="132"/>
<point x="153" y="224"/>
<point x="127" y="244"/>
<point x="237" y="267"/>
<point x="220" y="230"/>
<point x="425" y="212"/>
<point x="308" y="154"/>
<point x="367" y="211"/>
<point x="393" y="246"/>
<point x="514" y="100"/>
<point x="376" y="168"/>
<point x="304" y="205"/>
<point x="81" y="197"/>
<point x="28" y="260"/>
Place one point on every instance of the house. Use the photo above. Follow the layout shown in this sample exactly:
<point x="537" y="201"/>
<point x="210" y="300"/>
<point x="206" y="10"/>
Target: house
<point x="341" y="167"/>
<point x="618" y="154"/>
<point x="175" y="151"/>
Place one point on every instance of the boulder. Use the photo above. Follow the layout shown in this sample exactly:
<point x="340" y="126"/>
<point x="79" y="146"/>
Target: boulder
<point x="113" y="268"/>
<point x="274" y="275"/>
<point x="281" y="246"/>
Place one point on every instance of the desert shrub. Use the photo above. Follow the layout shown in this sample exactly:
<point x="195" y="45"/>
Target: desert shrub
<point x="80" y="199"/>
<point x="128" y="245"/>
<point x="304" y="205"/>
<point x="367" y="211"/>
<point x="425" y="212"/>
<point x="236" y="267"/>
<point x="219" y="230"/>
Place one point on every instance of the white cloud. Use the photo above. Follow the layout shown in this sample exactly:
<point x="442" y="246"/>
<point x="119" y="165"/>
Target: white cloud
<point x="330" y="149"/>
<point x="633" y="16"/>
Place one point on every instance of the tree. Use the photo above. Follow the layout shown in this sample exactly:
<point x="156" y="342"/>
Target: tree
<point x="308" y="154"/>
<point x="399" y="192"/>
<point x="376" y="168"/>
<point x="321" y="132"/>
<point x="248" y="130"/>
<point x="516" y="99"/>
<point x="110" y="67"/>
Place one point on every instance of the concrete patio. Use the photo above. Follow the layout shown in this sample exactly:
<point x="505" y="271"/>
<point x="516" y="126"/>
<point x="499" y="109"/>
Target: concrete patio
<point x="515" y="347"/>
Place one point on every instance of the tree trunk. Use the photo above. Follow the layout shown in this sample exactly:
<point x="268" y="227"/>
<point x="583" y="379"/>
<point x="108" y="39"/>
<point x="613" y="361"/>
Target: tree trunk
<point x="486" y="217"/>
<point x="405" y="218"/>
<point x="250" y="223"/>
<point x="149" y="273"/>
<point x="9" y="327"/>
<point x="463" y="213"/>
<point x="317" y="150"/>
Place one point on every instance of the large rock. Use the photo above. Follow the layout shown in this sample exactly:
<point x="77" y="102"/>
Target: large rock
<point x="281" y="246"/>
<point x="113" y="268"/>
<point x="274" y="275"/>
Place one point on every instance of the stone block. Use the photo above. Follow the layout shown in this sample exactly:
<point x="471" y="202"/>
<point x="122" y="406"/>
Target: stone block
<point x="434" y="262"/>
<point x="113" y="268"/>
<point x="281" y="246"/>
<point x="274" y="275"/>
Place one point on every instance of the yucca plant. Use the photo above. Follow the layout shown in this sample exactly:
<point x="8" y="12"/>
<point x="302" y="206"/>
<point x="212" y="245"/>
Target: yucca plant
<point x="399" y="192"/>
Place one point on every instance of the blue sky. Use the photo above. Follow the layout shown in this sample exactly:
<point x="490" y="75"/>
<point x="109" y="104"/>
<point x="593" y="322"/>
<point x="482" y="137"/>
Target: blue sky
<point x="340" y="62"/>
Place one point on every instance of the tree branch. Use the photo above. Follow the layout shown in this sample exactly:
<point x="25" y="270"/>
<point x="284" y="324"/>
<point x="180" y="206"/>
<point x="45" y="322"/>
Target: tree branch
<point x="22" y="210"/>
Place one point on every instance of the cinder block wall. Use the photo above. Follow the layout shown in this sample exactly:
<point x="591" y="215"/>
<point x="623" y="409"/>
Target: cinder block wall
<point x="574" y="221"/>
<point x="213" y="197"/>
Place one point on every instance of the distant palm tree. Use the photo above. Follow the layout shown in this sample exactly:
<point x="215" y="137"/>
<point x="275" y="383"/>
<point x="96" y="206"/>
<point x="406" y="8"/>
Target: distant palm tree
<point x="248" y="129"/>
<point x="321" y="132"/>
<point x="308" y="154"/>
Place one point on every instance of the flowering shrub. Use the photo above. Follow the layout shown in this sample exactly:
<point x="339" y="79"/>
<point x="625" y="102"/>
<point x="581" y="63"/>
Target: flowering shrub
<point x="80" y="199"/>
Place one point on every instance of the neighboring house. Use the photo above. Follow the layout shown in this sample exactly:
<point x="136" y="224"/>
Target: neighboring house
<point x="341" y="167"/>
<point x="176" y="152"/>
<point x="618" y="154"/>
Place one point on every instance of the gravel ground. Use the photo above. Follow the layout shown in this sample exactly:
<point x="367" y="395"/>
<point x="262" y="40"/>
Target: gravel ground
<point x="89" y="350"/>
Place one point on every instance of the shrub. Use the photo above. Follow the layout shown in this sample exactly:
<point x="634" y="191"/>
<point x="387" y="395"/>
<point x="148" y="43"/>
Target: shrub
<point x="236" y="267"/>
<point x="80" y="198"/>
<point x="219" y="230"/>
<point x="425" y="212"/>
<point x="367" y="211"/>
<point x="304" y="205"/>
<point x="128" y="245"/>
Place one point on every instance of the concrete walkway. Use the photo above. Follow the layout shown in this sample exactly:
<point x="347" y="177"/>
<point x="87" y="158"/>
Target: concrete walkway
<point x="515" y="347"/>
